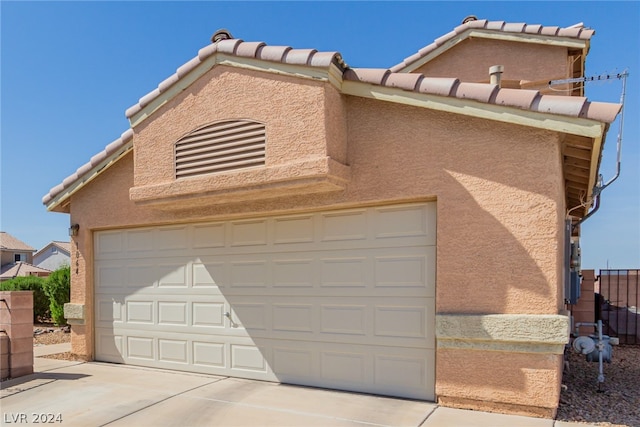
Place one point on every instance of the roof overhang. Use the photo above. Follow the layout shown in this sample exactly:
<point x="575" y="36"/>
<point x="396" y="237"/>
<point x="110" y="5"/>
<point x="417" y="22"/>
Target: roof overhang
<point x="61" y="201"/>
<point x="582" y="139"/>
<point x="570" y="43"/>
<point x="332" y="74"/>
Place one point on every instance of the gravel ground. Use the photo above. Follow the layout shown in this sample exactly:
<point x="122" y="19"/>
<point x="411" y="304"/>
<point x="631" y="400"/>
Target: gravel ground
<point x="619" y="402"/>
<point x="47" y="333"/>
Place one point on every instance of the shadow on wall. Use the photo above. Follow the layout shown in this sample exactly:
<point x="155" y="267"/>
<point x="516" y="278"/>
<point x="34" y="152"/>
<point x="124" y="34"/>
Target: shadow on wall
<point x="496" y="272"/>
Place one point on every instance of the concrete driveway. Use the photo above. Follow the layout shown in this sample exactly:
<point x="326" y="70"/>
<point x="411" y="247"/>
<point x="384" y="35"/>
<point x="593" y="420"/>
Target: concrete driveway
<point x="98" y="394"/>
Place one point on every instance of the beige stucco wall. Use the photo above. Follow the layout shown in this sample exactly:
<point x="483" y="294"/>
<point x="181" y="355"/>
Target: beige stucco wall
<point x="499" y="192"/>
<point x="295" y="114"/>
<point x="470" y="60"/>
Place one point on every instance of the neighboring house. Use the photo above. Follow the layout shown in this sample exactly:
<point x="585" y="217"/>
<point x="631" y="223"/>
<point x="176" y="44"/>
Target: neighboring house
<point x="17" y="259"/>
<point x="275" y="214"/>
<point x="53" y="256"/>
<point x="21" y="269"/>
<point x="13" y="250"/>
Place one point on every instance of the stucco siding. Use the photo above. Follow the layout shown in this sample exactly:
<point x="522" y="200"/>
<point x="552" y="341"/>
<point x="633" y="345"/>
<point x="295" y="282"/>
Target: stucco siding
<point x="498" y="187"/>
<point x="52" y="261"/>
<point x="470" y="61"/>
<point x="498" y="190"/>
<point x="294" y="114"/>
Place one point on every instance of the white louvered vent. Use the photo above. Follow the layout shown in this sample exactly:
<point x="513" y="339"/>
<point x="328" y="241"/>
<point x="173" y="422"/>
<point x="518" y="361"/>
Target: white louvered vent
<point x="220" y="147"/>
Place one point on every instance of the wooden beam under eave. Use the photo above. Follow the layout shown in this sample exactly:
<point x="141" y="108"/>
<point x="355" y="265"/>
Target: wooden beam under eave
<point x="581" y="179"/>
<point x="581" y="172"/>
<point x="578" y="163"/>
<point x="578" y="142"/>
<point x="578" y="153"/>
<point x="575" y="185"/>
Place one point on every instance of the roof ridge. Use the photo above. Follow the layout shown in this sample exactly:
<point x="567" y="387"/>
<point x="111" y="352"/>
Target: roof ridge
<point x="576" y="31"/>
<point x="240" y="48"/>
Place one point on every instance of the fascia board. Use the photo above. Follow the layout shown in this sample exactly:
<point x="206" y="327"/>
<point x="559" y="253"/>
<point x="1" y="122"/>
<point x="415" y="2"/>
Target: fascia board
<point x="93" y="173"/>
<point x="467" y="107"/>
<point x="492" y="35"/>
<point x="299" y="71"/>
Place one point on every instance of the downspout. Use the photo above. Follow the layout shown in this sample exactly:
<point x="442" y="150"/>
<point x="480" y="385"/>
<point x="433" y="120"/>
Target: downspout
<point x="599" y="186"/>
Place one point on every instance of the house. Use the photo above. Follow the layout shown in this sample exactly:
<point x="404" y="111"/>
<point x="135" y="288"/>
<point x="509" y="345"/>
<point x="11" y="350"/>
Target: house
<point x="13" y="250"/>
<point x="53" y="256"/>
<point x="274" y="214"/>
<point x="17" y="259"/>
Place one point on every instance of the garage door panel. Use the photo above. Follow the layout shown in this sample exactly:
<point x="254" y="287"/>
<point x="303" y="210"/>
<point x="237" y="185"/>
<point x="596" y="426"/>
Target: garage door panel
<point x="211" y="274"/>
<point x="173" y="351"/>
<point x="406" y="221"/>
<point x="342" y="299"/>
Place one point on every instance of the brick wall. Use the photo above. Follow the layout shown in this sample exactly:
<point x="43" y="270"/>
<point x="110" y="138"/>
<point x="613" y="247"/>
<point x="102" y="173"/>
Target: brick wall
<point x="16" y="320"/>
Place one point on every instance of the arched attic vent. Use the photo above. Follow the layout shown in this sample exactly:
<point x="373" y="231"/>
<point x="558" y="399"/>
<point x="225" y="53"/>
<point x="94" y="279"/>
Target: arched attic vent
<point x="220" y="147"/>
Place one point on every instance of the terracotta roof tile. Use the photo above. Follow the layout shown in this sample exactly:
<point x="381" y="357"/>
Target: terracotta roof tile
<point x="86" y="168"/>
<point x="495" y="25"/>
<point x="446" y="87"/>
<point x="249" y="49"/>
<point x="20" y="269"/>
<point x="240" y="48"/>
<point x="228" y="46"/>
<point x="299" y="56"/>
<point x="532" y="100"/>
<point x="564" y="105"/>
<point x="145" y="100"/>
<point x="406" y="81"/>
<point x="572" y="32"/>
<point x="600" y="111"/>
<point x="586" y="34"/>
<point x="8" y="242"/>
<point x="207" y="51"/>
<point x="170" y="81"/>
<point x="479" y="23"/>
<point x="273" y="53"/>
<point x="514" y="27"/>
<point x="324" y="59"/>
<point x="532" y="29"/>
<point x="367" y="75"/>
<point x="576" y="31"/>
<point x="519" y="98"/>
<point x="187" y="67"/>
<point x="443" y="39"/>
<point x="549" y="31"/>
<point x="477" y="91"/>
<point x="442" y="86"/>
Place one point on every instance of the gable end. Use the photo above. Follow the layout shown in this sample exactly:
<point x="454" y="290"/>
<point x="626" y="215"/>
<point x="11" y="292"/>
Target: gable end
<point x="220" y="147"/>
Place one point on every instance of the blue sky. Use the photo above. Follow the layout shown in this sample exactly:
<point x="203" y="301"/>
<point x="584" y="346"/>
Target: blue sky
<point x="69" y="70"/>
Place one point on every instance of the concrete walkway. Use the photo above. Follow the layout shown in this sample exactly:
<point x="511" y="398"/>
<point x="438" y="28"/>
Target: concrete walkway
<point x="99" y="394"/>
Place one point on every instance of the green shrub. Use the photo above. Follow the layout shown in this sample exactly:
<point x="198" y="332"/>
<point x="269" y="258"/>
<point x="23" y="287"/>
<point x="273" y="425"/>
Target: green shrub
<point x="58" y="289"/>
<point x="31" y="283"/>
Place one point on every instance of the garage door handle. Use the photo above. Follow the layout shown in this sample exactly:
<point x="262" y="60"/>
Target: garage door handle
<point x="228" y="316"/>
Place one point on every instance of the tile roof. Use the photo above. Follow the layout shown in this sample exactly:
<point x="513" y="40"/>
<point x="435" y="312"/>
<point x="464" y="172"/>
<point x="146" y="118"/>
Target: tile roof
<point x="577" y="31"/>
<point x="8" y="242"/>
<point x="83" y="170"/>
<point x="20" y="269"/>
<point x="242" y="49"/>
<point x="445" y="87"/>
<point x="487" y="93"/>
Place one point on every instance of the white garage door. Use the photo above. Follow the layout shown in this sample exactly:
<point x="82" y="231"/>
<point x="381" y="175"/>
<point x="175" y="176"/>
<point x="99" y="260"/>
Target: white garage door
<point x="339" y="299"/>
